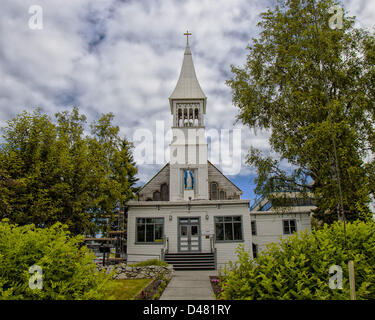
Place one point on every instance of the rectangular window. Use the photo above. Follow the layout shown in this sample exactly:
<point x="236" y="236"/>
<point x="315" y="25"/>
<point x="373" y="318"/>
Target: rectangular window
<point x="150" y="230"/>
<point x="228" y="228"/>
<point x="253" y="228"/>
<point x="289" y="226"/>
<point x="255" y="250"/>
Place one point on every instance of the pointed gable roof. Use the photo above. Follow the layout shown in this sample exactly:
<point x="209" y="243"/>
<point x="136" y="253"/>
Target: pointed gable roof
<point x="188" y="86"/>
<point x="210" y="164"/>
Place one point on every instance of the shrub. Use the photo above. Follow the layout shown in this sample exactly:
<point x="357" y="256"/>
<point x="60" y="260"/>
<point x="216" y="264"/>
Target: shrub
<point x="152" y="262"/>
<point x="162" y="285"/>
<point x="68" y="268"/>
<point x="298" y="267"/>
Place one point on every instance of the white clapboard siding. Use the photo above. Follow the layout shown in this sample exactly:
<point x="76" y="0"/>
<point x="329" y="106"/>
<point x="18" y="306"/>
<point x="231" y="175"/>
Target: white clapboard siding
<point x="225" y="251"/>
<point x="269" y="226"/>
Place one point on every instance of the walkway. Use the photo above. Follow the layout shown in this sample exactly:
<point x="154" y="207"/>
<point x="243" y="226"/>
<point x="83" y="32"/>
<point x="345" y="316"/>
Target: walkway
<point x="189" y="285"/>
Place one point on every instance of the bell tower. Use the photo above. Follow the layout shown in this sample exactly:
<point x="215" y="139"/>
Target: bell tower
<point x="188" y="149"/>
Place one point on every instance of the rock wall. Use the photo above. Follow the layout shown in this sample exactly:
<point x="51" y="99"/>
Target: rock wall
<point x="122" y="271"/>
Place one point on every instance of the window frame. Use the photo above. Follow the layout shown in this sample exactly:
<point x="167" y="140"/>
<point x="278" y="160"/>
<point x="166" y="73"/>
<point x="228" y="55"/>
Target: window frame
<point x="255" y="250"/>
<point x="217" y="190"/>
<point x="222" y="192"/>
<point x="290" y="232"/>
<point x="254" y="228"/>
<point x="145" y="230"/>
<point x="166" y="194"/>
<point x="154" y="197"/>
<point x="232" y="222"/>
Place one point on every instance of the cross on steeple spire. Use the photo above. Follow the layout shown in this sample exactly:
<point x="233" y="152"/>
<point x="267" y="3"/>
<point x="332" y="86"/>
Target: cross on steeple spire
<point x="187" y="34"/>
<point x="188" y="87"/>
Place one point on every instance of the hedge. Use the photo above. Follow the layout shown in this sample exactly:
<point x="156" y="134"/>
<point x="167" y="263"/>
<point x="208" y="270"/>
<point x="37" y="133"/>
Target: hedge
<point x="298" y="267"/>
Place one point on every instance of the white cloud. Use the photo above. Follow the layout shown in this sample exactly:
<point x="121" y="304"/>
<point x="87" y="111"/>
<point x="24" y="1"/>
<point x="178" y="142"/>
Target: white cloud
<point x="125" y="56"/>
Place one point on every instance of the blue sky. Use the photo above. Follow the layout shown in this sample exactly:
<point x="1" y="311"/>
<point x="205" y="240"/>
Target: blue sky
<point x="125" y="56"/>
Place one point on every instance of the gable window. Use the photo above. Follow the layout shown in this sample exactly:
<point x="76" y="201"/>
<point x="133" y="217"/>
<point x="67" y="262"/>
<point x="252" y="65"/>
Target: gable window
<point x="150" y="230"/>
<point x="255" y="250"/>
<point x="228" y="228"/>
<point x="289" y="226"/>
<point x="156" y="196"/>
<point x="222" y="195"/>
<point x="253" y="228"/>
<point x="214" y="191"/>
<point x="164" y="192"/>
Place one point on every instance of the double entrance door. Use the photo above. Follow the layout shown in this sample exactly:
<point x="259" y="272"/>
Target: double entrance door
<point x="189" y="234"/>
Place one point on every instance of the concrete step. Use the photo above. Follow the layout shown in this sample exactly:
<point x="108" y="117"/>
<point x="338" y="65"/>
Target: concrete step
<point x="191" y="260"/>
<point x="194" y="262"/>
<point x="180" y="265"/>
<point x="174" y="262"/>
<point x="188" y="258"/>
<point x="189" y="253"/>
<point x="191" y="267"/>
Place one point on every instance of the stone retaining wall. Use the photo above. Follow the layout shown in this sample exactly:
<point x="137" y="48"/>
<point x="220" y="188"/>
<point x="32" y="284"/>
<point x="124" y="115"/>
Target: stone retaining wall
<point x="122" y="271"/>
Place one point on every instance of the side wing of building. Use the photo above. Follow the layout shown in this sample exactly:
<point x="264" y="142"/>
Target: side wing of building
<point x="272" y="226"/>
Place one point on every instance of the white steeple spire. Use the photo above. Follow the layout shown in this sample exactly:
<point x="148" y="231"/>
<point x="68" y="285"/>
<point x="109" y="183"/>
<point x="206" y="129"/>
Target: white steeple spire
<point x="188" y="86"/>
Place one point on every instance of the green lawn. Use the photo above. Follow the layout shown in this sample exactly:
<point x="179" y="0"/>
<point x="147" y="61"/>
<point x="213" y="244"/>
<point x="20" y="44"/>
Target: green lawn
<point x="126" y="289"/>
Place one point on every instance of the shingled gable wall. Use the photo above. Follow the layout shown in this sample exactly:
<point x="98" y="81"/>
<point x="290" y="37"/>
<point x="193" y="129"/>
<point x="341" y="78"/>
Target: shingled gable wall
<point x="214" y="175"/>
<point x="155" y="183"/>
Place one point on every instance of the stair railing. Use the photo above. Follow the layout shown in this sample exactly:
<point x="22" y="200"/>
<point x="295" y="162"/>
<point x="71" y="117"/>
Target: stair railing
<point x="215" y="255"/>
<point x="166" y="244"/>
<point x="213" y="249"/>
<point x="165" y="248"/>
<point x="212" y="243"/>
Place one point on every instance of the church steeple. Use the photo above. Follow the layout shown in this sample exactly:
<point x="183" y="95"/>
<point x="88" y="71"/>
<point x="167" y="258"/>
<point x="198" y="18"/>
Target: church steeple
<point x="188" y="87"/>
<point x="188" y="148"/>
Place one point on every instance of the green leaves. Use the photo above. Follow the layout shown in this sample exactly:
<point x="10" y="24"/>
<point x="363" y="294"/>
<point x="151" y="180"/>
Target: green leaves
<point x="52" y="172"/>
<point x="282" y="87"/>
<point x="298" y="267"/>
<point x="68" y="270"/>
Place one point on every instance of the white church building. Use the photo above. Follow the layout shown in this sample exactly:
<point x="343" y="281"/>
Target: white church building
<point x="189" y="214"/>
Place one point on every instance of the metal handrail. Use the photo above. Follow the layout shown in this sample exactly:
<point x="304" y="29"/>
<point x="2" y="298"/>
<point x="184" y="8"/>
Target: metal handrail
<point x="166" y="244"/>
<point x="212" y="243"/>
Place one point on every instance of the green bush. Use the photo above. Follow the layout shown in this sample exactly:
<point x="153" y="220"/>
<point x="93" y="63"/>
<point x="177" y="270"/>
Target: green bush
<point x="152" y="262"/>
<point x="163" y="285"/>
<point x="298" y="267"/>
<point x="68" y="269"/>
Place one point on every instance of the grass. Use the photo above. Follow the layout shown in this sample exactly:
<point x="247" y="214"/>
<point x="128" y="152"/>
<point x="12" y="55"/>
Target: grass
<point x="126" y="289"/>
<point x="152" y="262"/>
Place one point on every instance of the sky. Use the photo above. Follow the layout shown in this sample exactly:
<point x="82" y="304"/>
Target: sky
<point x="124" y="57"/>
